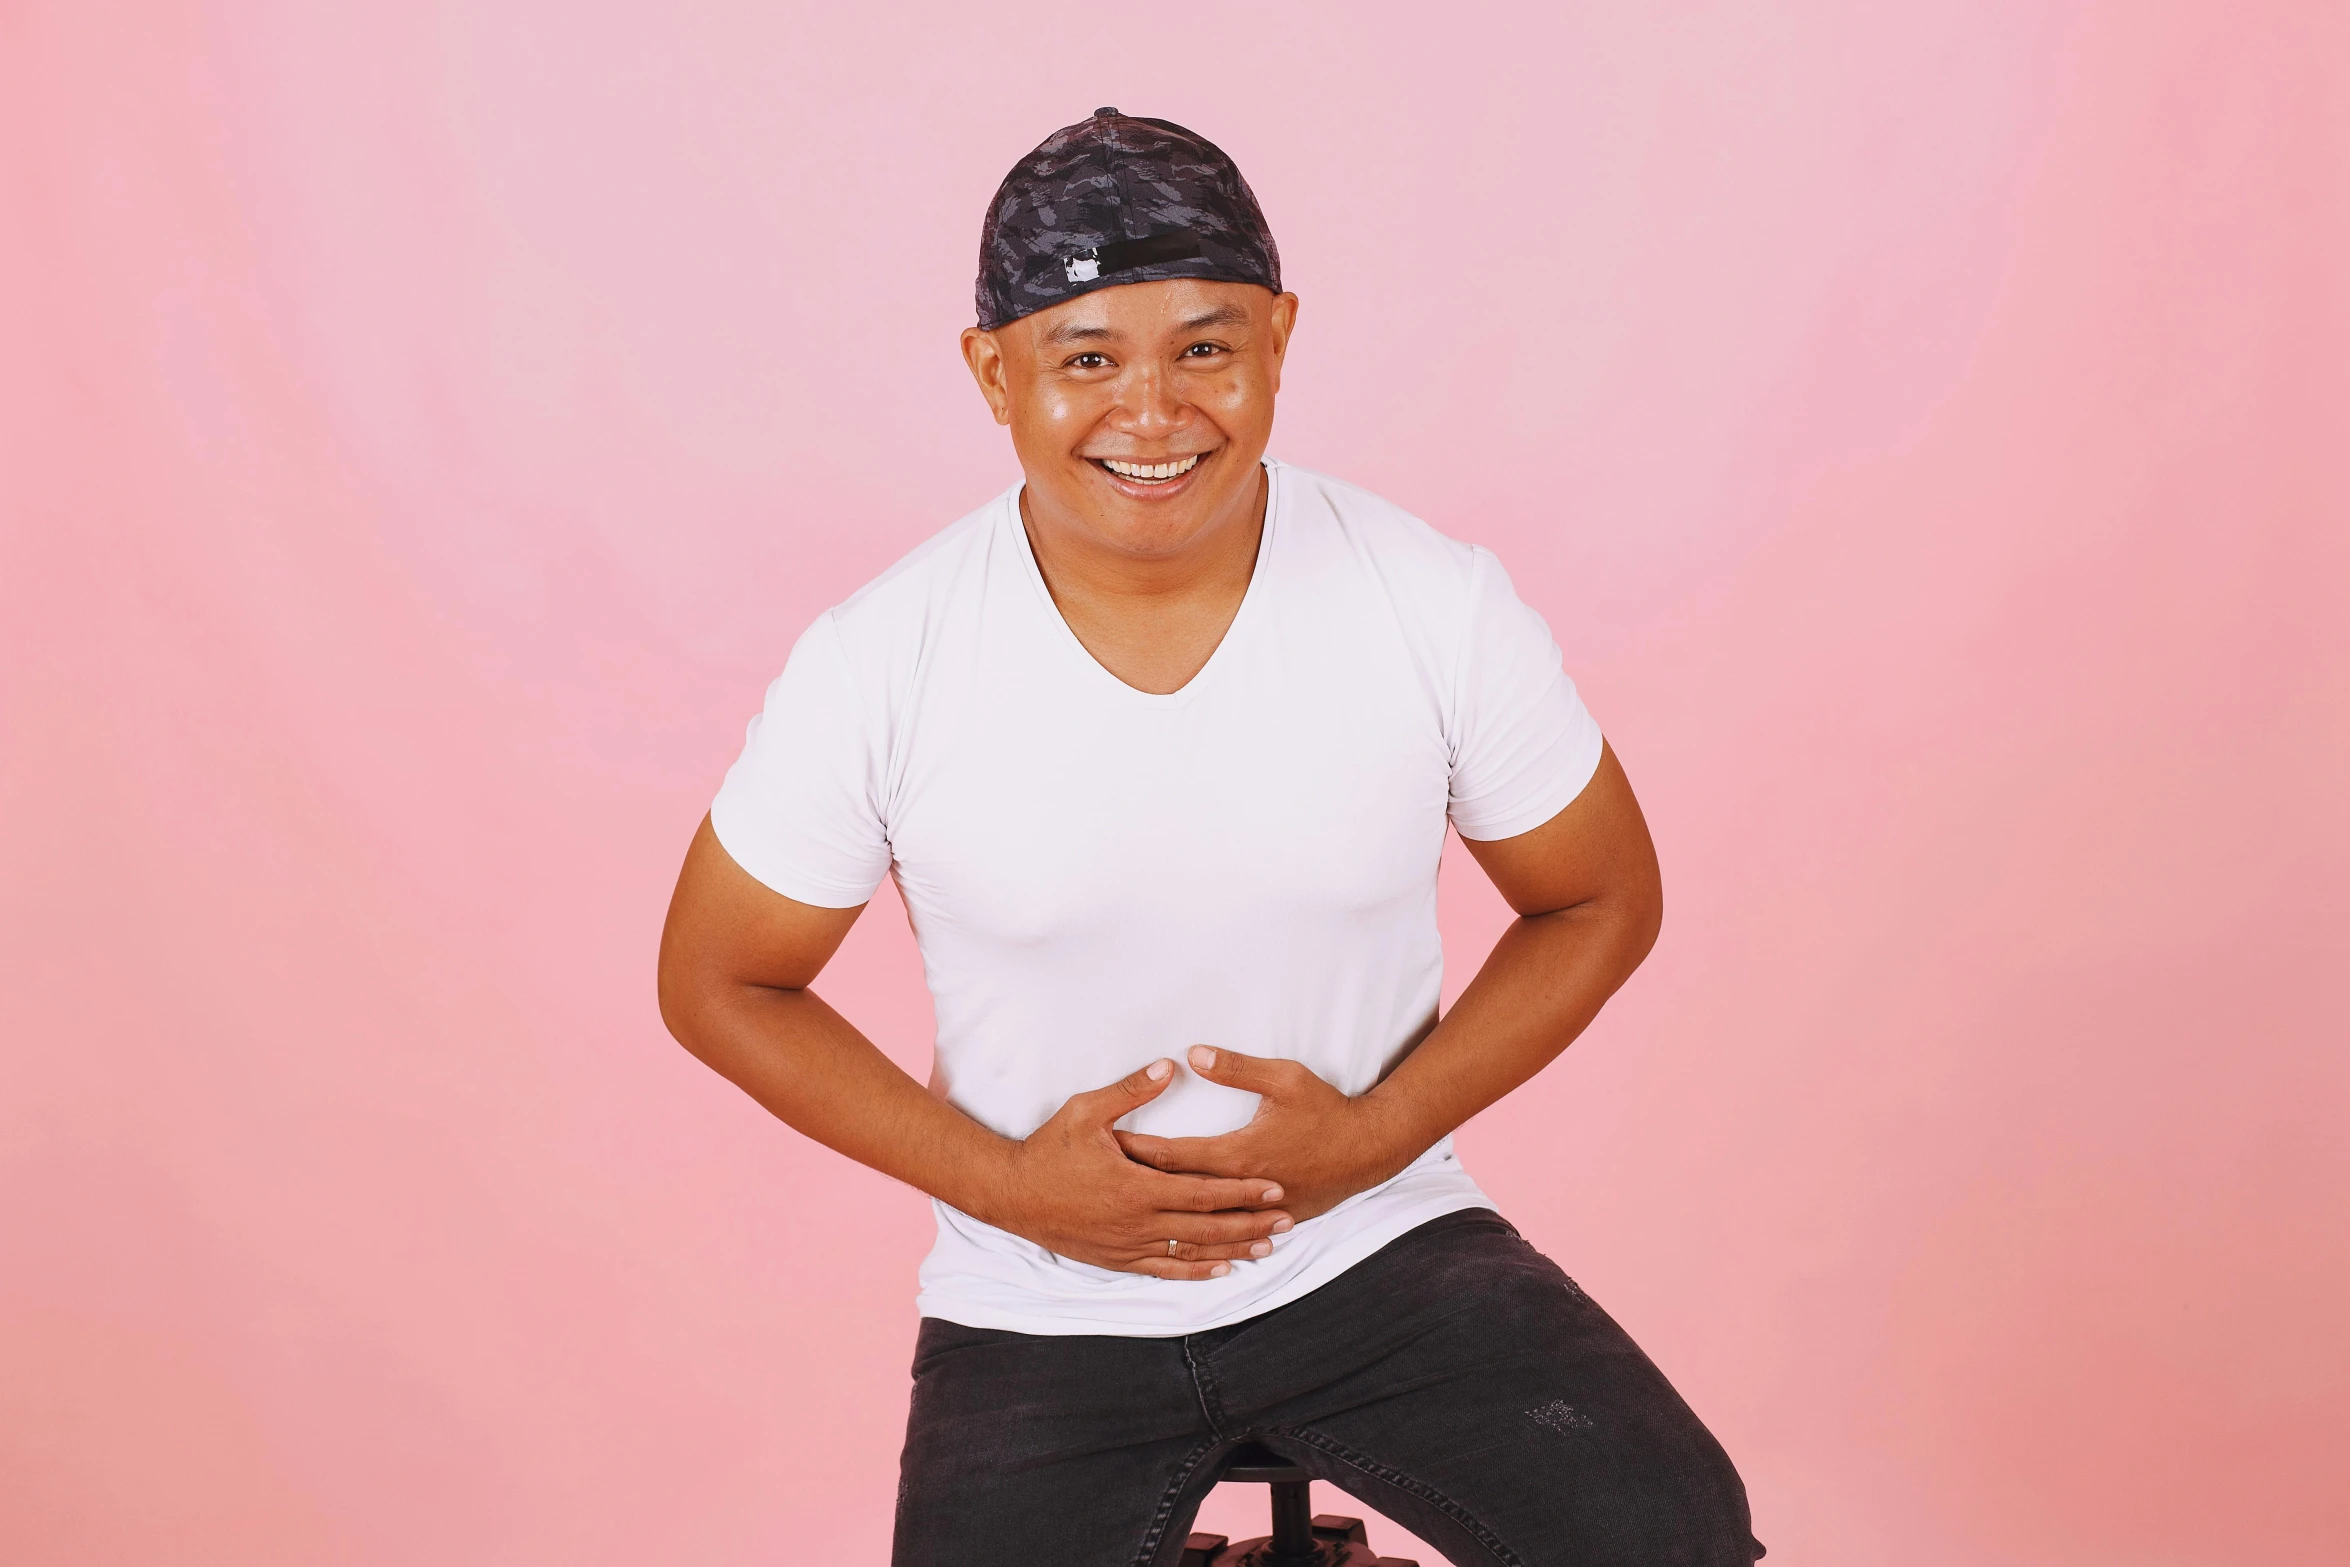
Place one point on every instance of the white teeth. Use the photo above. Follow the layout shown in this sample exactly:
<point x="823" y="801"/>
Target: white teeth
<point x="1151" y="471"/>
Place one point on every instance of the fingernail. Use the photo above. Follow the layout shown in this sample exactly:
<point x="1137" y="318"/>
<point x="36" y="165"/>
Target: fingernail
<point x="1282" y="1226"/>
<point x="1261" y="1249"/>
<point x="1219" y="1270"/>
<point x="1272" y="1194"/>
<point x="1157" y="1071"/>
<point x="1203" y="1058"/>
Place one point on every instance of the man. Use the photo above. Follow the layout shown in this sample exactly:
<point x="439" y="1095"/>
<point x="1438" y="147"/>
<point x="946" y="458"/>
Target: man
<point x="1161" y="746"/>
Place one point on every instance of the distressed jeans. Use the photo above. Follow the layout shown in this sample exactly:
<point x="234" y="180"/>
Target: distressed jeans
<point x="1456" y="1380"/>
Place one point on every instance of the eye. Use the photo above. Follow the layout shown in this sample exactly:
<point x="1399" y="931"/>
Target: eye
<point x="1089" y="361"/>
<point x="1203" y="350"/>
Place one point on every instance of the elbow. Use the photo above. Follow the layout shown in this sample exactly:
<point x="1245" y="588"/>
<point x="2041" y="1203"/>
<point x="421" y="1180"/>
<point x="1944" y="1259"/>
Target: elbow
<point x="685" y="1011"/>
<point x="669" y="996"/>
<point x="677" y="993"/>
<point x="1647" y="925"/>
<point x="1644" y="919"/>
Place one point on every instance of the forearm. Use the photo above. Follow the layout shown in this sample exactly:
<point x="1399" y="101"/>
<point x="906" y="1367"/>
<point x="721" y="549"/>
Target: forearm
<point x="812" y="1069"/>
<point x="1067" y="1187"/>
<point x="1543" y="983"/>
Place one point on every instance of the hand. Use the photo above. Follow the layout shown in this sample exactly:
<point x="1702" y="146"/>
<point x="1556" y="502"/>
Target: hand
<point x="1321" y="1146"/>
<point x="1071" y="1190"/>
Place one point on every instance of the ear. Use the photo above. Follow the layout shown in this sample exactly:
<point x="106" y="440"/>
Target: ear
<point x="1284" y="321"/>
<point x="985" y="357"/>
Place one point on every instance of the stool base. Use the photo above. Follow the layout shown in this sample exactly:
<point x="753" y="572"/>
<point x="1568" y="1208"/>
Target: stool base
<point x="1338" y="1542"/>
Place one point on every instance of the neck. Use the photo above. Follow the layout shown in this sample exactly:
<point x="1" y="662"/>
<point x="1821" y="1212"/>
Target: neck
<point x="1151" y="619"/>
<point x="1078" y="564"/>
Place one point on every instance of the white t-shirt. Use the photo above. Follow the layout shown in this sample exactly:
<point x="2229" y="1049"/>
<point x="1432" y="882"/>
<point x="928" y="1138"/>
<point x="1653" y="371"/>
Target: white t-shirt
<point x="1099" y="876"/>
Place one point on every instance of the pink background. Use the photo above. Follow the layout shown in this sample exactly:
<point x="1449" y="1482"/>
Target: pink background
<point x="423" y="430"/>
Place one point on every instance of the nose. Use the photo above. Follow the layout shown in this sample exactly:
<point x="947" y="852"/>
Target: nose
<point x="1148" y="405"/>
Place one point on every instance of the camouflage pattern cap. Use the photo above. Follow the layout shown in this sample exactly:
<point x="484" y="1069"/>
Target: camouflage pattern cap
<point x="1113" y="200"/>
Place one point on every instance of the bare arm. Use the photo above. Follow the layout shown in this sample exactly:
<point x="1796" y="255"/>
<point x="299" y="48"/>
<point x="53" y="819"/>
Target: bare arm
<point x="737" y="959"/>
<point x="1589" y="900"/>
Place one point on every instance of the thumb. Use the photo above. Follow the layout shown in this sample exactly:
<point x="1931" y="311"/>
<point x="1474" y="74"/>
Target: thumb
<point x="1254" y="1074"/>
<point x="1105" y="1105"/>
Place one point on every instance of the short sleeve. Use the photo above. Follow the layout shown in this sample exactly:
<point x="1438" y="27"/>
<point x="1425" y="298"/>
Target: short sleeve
<point x="1523" y="745"/>
<point x="798" y="809"/>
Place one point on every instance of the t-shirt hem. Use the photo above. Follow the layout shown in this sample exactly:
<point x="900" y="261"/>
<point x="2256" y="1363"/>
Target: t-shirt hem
<point x="1548" y="804"/>
<point x="1326" y="1270"/>
<point x="800" y="889"/>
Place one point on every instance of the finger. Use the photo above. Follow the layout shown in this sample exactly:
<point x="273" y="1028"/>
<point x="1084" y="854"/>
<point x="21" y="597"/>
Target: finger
<point x="1236" y="1228"/>
<point x="1176" y="1268"/>
<point x="1101" y="1106"/>
<point x="1206" y="1193"/>
<point x="1227" y="1251"/>
<point x="1252" y="1074"/>
<point x="1183" y="1155"/>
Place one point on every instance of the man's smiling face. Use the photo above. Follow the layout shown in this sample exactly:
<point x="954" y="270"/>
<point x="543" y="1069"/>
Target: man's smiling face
<point x="1140" y="412"/>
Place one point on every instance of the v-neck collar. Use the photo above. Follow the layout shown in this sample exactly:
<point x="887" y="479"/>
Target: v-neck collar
<point x="1241" y="617"/>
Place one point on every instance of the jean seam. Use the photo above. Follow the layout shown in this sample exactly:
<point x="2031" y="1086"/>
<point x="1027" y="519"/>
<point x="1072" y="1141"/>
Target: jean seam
<point x="1419" y="1488"/>
<point x="1203" y="1387"/>
<point x="1157" y="1532"/>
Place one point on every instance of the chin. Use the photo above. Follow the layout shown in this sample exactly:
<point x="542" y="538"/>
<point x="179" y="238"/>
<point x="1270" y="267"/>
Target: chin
<point x="1169" y="520"/>
<point x="1155" y="534"/>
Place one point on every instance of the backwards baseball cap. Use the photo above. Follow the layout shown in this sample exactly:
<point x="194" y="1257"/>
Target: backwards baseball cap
<point x="1113" y="200"/>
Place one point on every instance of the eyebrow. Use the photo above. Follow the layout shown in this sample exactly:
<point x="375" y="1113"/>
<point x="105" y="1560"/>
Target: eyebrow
<point x="1076" y="332"/>
<point x="1222" y="315"/>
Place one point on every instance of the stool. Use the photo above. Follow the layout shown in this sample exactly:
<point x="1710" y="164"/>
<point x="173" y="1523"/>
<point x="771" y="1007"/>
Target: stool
<point x="1297" y="1540"/>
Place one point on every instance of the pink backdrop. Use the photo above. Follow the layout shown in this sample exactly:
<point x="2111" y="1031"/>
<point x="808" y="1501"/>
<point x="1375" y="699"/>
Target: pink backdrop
<point x="423" y="430"/>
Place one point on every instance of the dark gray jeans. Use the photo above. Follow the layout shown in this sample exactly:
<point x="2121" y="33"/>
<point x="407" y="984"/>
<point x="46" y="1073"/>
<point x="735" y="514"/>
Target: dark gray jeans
<point x="1456" y="1380"/>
